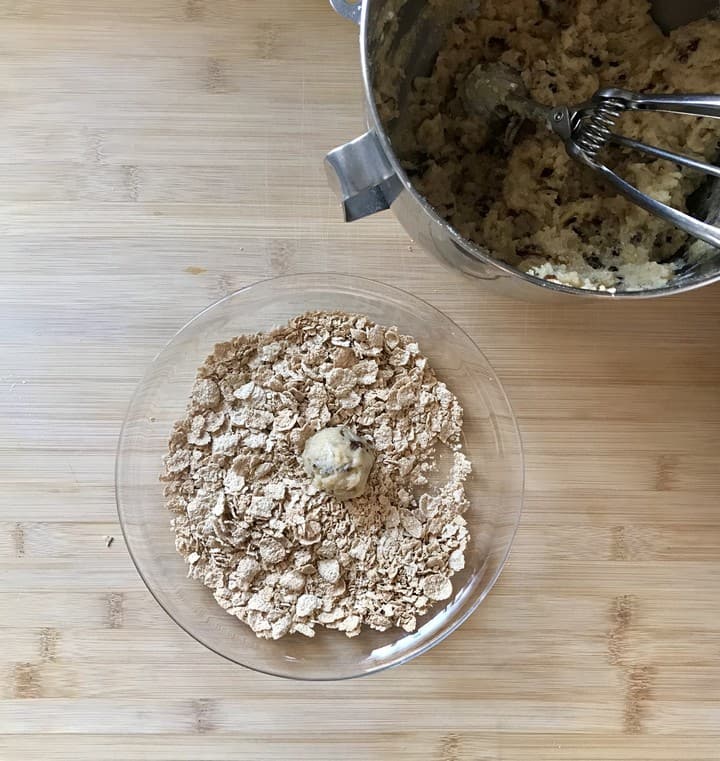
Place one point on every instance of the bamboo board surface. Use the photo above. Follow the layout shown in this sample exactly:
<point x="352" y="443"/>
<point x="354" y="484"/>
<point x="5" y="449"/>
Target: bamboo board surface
<point x="156" y="155"/>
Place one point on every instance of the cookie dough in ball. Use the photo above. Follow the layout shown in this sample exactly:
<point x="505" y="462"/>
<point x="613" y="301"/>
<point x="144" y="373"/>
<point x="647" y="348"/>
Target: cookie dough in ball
<point x="338" y="462"/>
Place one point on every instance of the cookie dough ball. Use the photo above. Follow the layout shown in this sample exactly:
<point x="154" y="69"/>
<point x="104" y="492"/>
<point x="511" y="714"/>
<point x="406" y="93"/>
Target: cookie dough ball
<point x="338" y="462"/>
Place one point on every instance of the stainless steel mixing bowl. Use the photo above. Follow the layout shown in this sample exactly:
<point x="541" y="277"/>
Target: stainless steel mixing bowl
<point x="404" y="36"/>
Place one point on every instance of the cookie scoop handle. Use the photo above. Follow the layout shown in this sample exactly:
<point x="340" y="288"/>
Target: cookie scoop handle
<point x="689" y="105"/>
<point x="588" y="129"/>
<point x="685" y="222"/>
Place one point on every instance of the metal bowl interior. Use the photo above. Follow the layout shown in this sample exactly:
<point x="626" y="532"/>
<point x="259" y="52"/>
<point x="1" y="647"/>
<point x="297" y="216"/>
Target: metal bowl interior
<point x="492" y="442"/>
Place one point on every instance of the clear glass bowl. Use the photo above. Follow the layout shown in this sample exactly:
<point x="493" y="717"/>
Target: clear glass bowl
<point x="492" y="442"/>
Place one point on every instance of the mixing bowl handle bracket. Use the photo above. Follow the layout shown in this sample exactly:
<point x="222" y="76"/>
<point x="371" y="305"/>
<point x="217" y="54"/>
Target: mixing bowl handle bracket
<point x="348" y="9"/>
<point x="362" y="177"/>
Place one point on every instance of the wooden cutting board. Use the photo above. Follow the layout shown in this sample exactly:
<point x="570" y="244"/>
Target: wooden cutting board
<point x="158" y="154"/>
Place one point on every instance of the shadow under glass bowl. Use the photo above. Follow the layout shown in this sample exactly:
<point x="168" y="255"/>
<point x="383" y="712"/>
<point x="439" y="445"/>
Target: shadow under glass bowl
<point x="491" y="441"/>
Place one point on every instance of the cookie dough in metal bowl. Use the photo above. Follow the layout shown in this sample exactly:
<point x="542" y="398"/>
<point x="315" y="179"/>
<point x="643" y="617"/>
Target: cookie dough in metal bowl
<point x="490" y="441"/>
<point x="510" y="185"/>
<point x="420" y="157"/>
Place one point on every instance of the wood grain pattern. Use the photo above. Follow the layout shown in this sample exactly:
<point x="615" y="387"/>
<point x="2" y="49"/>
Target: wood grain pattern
<point x="158" y="154"/>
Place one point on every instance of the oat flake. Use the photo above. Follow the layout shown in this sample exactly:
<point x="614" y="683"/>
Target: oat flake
<point x="281" y="555"/>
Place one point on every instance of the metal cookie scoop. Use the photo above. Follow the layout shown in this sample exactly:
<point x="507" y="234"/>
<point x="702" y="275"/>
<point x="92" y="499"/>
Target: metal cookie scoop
<point x="495" y="91"/>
